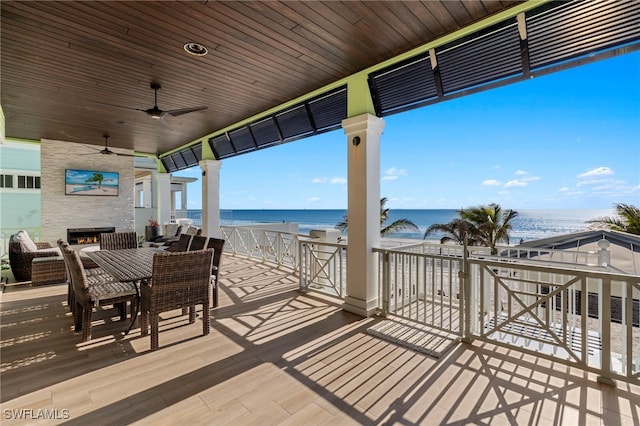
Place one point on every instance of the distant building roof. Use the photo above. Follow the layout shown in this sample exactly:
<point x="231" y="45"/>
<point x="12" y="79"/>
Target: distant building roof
<point x="624" y="248"/>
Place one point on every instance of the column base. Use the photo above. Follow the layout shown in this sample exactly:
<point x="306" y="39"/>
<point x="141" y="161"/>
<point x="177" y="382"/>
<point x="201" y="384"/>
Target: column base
<point x="360" y="307"/>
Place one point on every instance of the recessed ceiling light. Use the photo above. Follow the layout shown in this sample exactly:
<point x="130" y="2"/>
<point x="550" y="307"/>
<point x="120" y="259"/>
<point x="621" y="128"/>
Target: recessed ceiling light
<point x="195" y="49"/>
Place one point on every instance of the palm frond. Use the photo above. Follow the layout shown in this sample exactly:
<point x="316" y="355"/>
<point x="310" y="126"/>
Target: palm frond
<point x="400" y="225"/>
<point x="628" y="219"/>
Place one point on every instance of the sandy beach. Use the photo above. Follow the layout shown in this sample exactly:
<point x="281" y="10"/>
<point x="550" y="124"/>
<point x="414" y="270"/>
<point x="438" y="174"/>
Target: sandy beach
<point x="90" y="190"/>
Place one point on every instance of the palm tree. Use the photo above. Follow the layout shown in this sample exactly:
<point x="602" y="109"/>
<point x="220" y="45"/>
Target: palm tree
<point x="489" y="225"/>
<point x="97" y="177"/>
<point x="454" y="231"/>
<point x="483" y="225"/>
<point x="399" y="225"/>
<point x="628" y="219"/>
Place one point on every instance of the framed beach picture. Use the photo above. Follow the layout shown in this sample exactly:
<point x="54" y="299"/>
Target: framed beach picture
<point x="90" y="182"/>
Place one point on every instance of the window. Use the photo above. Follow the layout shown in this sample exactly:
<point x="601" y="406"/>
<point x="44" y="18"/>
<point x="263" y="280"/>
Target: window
<point x="6" y="181"/>
<point x="31" y="182"/>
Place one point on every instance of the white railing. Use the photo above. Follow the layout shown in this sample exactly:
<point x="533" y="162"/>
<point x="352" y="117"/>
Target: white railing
<point x="423" y="288"/>
<point x="323" y="267"/>
<point x="551" y="304"/>
<point x="583" y="316"/>
<point x="194" y="215"/>
<point x="280" y="248"/>
<point x="575" y="257"/>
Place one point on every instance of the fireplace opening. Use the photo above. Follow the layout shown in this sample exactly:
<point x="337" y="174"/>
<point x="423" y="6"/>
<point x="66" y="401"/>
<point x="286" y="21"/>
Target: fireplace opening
<point x="87" y="235"/>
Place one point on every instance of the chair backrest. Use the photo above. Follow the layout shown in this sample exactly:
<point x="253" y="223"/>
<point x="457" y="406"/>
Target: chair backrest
<point x="118" y="240"/>
<point x="198" y="242"/>
<point x="22" y="242"/>
<point x="74" y="266"/>
<point x="181" y="278"/>
<point x="62" y="244"/>
<point x="217" y="244"/>
<point x="193" y="230"/>
<point x="182" y="244"/>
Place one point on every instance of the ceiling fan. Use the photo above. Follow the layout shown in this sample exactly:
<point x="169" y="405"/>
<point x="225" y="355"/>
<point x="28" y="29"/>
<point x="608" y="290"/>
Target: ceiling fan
<point x="107" y="151"/>
<point x="159" y="114"/>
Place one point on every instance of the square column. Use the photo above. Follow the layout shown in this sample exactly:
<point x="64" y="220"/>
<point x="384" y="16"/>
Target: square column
<point x="211" y="197"/>
<point x="147" y="192"/>
<point x="363" y="153"/>
<point x="163" y="197"/>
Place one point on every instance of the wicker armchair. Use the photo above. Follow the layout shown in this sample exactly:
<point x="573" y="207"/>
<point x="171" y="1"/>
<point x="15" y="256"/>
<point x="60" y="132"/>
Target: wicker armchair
<point x="179" y="280"/>
<point x="118" y="240"/>
<point x="94" y="290"/>
<point x="22" y="252"/>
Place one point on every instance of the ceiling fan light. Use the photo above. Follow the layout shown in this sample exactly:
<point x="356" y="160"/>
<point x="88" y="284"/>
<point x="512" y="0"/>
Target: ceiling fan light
<point x="195" y="49"/>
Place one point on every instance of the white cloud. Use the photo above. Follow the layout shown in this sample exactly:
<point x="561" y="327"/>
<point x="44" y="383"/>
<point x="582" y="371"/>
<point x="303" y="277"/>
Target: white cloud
<point x="515" y="183"/>
<point x="333" y="180"/>
<point x="599" y="171"/>
<point x="393" y="173"/>
<point x="313" y="199"/>
<point x="525" y="176"/>
<point x="565" y="190"/>
<point x="594" y="182"/>
<point x="491" y="182"/>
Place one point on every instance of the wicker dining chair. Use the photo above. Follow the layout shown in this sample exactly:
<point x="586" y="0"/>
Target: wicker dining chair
<point x="90" y="269"/>
<point x="118" y="240"/>
<point x="182" y="244"/>
<point x="198" y="242"/>
<point x="178" y="280"/>
<point x="94" y="290"/>
<point x="217" y="244"/>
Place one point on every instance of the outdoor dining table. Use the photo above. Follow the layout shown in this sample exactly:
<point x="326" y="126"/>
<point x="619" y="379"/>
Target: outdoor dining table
<point x="127" y="265"/>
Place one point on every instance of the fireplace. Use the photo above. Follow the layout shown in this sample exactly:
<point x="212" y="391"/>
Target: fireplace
<point x="87" y="235"/>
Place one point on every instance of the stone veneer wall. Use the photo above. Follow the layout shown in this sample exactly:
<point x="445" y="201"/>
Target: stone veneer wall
<point x="60" y="211"/>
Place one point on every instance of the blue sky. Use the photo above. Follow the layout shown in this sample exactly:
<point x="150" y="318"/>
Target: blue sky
<point x="566" y="140"/>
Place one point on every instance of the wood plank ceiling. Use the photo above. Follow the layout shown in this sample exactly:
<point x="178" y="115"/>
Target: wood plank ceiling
<point x="73" y="70"/>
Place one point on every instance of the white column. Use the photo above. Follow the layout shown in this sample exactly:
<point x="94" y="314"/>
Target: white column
<point x="153" y="197"/>
<point x="163" y="197"/>
<point x="183" y="197"/>
<point x="363" y="146"/>
<point x="211" y="197"/>
<point x="146" y="193"/>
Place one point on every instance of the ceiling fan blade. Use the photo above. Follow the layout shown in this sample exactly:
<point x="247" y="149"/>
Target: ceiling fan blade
<point x="97" y="150"/>
<point x="177" y="112"/>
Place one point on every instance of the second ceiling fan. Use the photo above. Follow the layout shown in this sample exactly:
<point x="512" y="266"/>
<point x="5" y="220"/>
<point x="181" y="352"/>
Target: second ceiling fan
<point x="159" y="114"/>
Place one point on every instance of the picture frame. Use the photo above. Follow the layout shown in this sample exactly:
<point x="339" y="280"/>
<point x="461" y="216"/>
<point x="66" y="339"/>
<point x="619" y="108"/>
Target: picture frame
<point x="91" y="183"/>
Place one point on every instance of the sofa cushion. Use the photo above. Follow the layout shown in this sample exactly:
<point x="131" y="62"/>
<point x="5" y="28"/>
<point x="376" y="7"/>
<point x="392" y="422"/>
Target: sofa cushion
<point x="25" y="241"/>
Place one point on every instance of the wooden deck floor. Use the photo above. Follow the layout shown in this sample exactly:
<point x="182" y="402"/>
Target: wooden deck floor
<point x="274" y="356"/>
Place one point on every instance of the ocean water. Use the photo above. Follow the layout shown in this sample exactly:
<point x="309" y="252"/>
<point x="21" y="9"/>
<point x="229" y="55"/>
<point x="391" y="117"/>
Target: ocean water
<point x="529" y="225"/>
